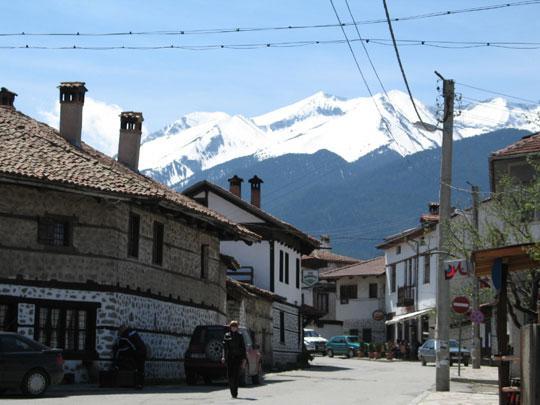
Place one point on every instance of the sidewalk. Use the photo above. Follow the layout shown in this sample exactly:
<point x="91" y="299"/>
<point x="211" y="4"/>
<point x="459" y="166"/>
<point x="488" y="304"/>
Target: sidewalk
<point x="473" y="387"/>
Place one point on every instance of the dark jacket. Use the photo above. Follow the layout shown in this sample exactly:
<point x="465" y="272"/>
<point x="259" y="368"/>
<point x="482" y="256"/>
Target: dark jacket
<point x="130" y="345"/>
<point x="234" y="347"/>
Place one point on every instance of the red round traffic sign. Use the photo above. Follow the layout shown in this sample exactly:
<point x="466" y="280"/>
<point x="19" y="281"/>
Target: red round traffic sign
<point x="461" y="305"/>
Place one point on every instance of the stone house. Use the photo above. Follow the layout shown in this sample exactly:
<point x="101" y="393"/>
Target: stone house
<point x="88" y="244"/>
<point x="360" y="298"/>
<point x="272" y="264"/>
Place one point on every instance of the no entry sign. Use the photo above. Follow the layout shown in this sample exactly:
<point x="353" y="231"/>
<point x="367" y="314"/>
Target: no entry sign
<point x="461" y="305"/>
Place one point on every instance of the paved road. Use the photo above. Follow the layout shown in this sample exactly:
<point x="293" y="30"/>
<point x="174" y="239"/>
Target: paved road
<point x="328" y="381"/>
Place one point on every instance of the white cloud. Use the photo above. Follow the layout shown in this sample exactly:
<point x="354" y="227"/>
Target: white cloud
<point x="101" y="124"/>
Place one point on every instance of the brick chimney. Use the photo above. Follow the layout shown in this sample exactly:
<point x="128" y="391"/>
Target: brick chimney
<point x="71" y="110"/>
<point x="235" y="185"/>
<point x="7" y="98"/>
<point x="325" y="242"/>
<point x="256" y="191"/>
<point x="130" y="139"/>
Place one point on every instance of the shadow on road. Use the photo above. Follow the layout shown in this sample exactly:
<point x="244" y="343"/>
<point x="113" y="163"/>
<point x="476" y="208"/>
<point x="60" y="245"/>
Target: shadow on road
<point x="325" y="368"/>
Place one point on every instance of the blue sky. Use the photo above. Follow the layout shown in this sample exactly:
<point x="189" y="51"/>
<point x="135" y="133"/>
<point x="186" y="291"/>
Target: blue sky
<point x="168" y="83"/>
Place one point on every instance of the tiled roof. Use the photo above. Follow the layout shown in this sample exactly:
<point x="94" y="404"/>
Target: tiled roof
<point x="250" y="290"/>
<point x="206" y="185"/>
<point x="371" y="267"/>
<point x="35" y="152"/>
<point x="329" y="256"/>
<point x="527" y="144"/>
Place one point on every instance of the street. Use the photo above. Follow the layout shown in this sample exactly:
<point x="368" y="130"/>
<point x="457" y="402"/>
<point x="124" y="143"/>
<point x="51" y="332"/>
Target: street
<point x="328" y="381"/>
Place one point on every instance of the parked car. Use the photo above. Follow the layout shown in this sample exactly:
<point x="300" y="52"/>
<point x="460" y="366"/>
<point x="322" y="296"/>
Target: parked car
<point x="426" y="352"/>
<point x="344" y="345"/>
<point x="203" y="356"/>
<point x="28" y="365"/>
<point x="314" y="342"/>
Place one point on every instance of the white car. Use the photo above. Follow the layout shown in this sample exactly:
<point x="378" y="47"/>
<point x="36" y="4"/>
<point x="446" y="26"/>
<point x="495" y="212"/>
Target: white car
<point x="314" y="342"/>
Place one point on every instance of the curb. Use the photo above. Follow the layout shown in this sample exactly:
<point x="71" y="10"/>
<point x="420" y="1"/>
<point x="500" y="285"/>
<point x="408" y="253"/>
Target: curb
<point x="474" y="381"/>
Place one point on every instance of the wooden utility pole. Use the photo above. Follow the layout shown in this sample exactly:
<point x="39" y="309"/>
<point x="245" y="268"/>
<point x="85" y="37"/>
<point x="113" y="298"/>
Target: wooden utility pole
<point x="442" y="329"/>
<point x="476" y="349"/>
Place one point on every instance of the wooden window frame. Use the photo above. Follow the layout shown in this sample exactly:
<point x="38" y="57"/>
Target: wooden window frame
<point x="297" y="264"/>
<point x="45" y="239"/>
<point x="157" y="243"/>
<point x="205" y="260"/>
<point x="348" y="292"/>
<point x="281" y="266"/>
<point x="427" y="269"/>
<point x="281" y="327"/>
<point x="134" y="235"/>
<point x="393" y="278"/>
<point x="287" y="268"/>
<point x="373" y="293"/>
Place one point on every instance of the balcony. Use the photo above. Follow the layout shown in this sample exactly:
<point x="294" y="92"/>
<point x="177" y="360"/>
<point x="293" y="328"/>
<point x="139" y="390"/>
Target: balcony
<point x="405" y="296"/>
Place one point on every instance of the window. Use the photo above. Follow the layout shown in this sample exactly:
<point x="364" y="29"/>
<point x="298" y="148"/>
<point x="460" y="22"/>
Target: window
<point x="393" y="278"/>
<point x="297" y="273"/>
<point x="286" y="268"/>
<point x="427" y="269"/>
<point x="204" y="261"/>
<point x="366" y="334"/>
<point x="8" y="317"/>
<point x="373" y="290"/>
<point x="282" y="327"/>
<point x="54" y="231"/>
<point x="348" y="292"/>
<point x="281" y="266"/>
<point x="353" y="332"/>
<point x="398" y="250"/>
<point x="157" y="247"/>
<point x="68" y="328"/>
<point x="321" y="302"/>
<point x="133" y="235"/>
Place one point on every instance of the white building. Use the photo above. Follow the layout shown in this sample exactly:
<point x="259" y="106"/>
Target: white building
<point x="320" y="293"/>
<point x="360" y="302"/>
<point x="273" y="264"/>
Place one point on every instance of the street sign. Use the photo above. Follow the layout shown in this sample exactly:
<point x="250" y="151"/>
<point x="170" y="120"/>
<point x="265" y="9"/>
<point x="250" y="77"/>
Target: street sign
<point x="378" y="315"/>
<point x="461" y="305"/>
<point x="477" y="316"/>
<point x="310" y="277"/>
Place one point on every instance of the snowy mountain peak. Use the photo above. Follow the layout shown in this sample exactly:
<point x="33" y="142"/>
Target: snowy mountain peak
<point x="350" y="128"/>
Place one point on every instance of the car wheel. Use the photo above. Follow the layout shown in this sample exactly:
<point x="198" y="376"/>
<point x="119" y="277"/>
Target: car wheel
<point x="35" y="383"/>
<point x="214" y="350"/>
<point x="424" y="362"/>
<point x="191" y="377"/>
<point x="258" y="378"/>
<point x="350" y="353"/>
<point x="330" y="353"/>
<point x="466" y="363"/>
<point x="451" y="363"/>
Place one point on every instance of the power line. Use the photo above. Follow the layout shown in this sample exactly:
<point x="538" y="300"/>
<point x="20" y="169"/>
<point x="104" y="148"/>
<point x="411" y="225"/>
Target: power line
<point x="210" y="31"/>
<point x="525" y="100"/>
<point x="289" y="44"/>
<point x="401" y="66"/>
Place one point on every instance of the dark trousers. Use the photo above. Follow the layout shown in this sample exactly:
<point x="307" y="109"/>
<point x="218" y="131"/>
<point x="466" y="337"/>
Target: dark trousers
<point x="233" y="373"/>
<point x="139" y="374"/>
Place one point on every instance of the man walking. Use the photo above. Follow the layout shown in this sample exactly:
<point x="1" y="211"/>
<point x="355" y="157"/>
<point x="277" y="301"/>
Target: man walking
<point x="131" y="353"/>
<point x="234" y="355"/>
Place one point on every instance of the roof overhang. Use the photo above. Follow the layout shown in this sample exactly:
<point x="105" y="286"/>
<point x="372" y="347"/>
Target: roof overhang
<point x="516" y="258"/>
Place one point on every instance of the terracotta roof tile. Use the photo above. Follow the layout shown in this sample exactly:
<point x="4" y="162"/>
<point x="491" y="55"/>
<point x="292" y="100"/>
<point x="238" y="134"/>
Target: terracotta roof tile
<point x="36" y="152"/>
<point x="329" y="256"/>
<point x="527" y="144"/>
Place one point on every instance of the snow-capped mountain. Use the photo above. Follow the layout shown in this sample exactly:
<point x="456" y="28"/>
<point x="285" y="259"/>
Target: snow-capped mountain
<point x="349" y="128"/>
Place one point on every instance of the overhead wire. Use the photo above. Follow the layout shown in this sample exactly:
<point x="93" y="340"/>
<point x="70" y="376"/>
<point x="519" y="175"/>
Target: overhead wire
<point x="525" y="100"/>
<point x="210" y="31"/>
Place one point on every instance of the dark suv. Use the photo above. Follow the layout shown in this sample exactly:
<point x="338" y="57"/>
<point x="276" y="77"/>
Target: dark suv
<point x="203" y="356"/>
<point x="28" y="365"/>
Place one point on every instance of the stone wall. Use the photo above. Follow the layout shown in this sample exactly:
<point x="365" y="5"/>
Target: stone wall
<point x="99" y="251"/>
<point x="286" y="353"/>
<point x="165" y="326"/>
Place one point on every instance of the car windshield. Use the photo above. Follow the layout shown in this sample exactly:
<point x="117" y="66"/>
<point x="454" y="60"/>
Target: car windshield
<point x="453" y="344"/>
<point x="353" y="339"/>
<point x="311" y="333"/>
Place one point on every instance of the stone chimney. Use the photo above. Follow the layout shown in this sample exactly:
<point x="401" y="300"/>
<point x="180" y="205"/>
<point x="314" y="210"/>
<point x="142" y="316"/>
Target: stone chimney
<point x="325" y="242"/>
<point x="256" y="191"/>
<point x="71" y="110"/>
<point x="235" y="185"/>
<point x="7" y="98"/>
<point x="130" y="139"/>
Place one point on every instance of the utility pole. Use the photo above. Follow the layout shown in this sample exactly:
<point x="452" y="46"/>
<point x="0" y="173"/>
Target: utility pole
<point x="476" y="349"/>
<point x="442" y="381"/>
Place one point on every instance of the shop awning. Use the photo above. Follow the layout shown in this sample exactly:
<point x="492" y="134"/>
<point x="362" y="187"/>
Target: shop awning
<point x="410" y="315"/>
